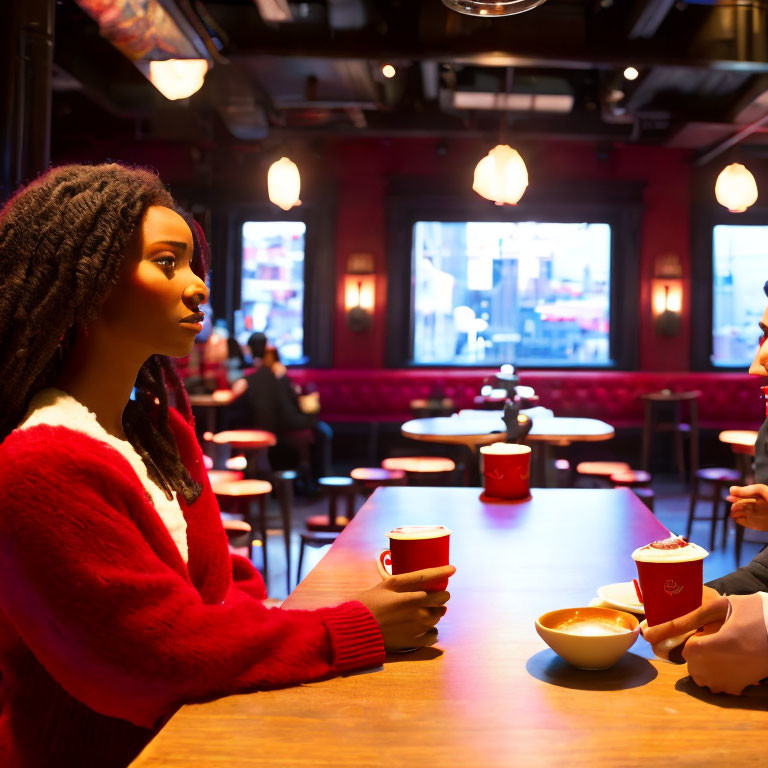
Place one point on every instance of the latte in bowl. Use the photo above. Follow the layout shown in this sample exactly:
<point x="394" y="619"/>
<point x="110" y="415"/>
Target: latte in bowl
<point x="589" y="638"/>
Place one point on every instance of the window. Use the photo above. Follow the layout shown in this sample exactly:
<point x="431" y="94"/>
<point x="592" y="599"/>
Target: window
<point x="528" y="292"/>
<point x="272" y="287"/>
<point x="738" y="273"/>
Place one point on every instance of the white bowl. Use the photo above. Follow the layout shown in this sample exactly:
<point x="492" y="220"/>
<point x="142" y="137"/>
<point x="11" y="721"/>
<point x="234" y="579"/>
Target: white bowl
<point x="589" y="638"/>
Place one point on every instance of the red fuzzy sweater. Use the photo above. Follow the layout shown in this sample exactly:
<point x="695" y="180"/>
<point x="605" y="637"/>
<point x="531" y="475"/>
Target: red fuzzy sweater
<point x="105" y="631"/>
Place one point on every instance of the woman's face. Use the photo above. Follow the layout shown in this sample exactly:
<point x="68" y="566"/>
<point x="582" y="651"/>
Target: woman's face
<point x="154" y="306"/>
<point x="759" y="365"/>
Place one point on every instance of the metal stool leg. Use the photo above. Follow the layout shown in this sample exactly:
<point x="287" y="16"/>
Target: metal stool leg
<point x="285" y="499"/>
<point x="715" y="508"/>
<point x="692" y="507"/>
<point x="263" y="528"/>
<point x="301" y="560"/>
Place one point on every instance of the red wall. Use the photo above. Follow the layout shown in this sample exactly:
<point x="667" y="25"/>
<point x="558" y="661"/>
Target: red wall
<point x="362" y="169"/>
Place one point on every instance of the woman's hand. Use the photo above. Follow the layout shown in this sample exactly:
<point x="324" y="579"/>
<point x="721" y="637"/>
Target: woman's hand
<point x="750" y="506"/>
<point x="406" y="614"/>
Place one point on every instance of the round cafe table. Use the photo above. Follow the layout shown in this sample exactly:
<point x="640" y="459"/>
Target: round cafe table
<point x="474" y="431"/>
<point x="208" y="405"/>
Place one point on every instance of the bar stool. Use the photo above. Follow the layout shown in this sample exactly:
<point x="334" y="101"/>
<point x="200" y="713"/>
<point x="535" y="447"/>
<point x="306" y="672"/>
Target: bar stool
<point x="218" y="476"/>
<point x="252" y="442"/>
<point x="720" y="478"/>
<point x="368" y="479"/>
<point x="647" y="496"/>
<point x="238" y="496"/>
<point x="631" y="478"/>
<point x="323" y="529"/>
<point x="239" y="537"/>
<point x="656" y="402"/>
<point x="601" y="470"/>
<point x="282" y="482"/>
<point x="420" y="470"/>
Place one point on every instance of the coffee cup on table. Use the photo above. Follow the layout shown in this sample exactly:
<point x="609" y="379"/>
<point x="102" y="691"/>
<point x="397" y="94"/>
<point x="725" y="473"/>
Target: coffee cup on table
<point x="415" y="547"/>
<point x="671" y="578"/>
<point x="506" y="470"/>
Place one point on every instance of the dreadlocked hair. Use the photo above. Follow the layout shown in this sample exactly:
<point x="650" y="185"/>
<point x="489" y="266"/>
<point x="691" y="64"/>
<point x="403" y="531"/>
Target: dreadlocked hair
<point x="62" y="242"/>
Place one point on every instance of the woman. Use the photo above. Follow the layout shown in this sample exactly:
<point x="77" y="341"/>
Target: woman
<point x="729" y="651"/>
<point x="119" y="598"/>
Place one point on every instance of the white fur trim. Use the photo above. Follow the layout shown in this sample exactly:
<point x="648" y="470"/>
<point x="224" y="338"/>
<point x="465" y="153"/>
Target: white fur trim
<point x="58" y="409"/>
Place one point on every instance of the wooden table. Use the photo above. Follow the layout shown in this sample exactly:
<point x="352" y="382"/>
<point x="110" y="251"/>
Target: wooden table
<point x="742" y="441"/>
<point x="491" y="693"/>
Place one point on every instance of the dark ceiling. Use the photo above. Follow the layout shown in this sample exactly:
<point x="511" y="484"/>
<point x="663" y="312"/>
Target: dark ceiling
<point x="703" y="73"/>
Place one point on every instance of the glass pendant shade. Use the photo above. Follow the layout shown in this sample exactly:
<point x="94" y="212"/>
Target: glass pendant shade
<point x="735" y="188"/>
<point x="501" y="176"/>
<point x="178" y="78"/>
<point x="490" y="9"/>
<point x="284" y="183"/>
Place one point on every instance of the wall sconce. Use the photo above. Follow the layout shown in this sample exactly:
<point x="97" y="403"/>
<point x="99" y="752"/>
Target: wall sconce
<point x="359" y="293"/>
<point x="667" y="295"/>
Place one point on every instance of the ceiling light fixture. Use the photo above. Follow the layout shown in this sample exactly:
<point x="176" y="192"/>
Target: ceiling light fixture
<point x="284" y="183"/>
<point x="630" y="73"/>
<point x="735" y="188"/>
<point x="178" y="78"/>
<point x="501" y="176"/>
<point x="488" y="8"/>
<point x="388" y="71"/>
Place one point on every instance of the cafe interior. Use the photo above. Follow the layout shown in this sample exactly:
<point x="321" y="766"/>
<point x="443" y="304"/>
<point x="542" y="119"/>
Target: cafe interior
<point x="468" y="237"/>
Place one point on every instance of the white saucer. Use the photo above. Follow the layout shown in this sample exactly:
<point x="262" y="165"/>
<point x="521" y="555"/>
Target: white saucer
<point x="622" y="596"/>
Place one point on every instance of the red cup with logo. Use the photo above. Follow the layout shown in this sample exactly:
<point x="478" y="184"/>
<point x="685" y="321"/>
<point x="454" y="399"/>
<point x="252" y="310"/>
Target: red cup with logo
<point x="415" y="547"/>
<point x="506" y="470"/>
<point x="671" y="578"/>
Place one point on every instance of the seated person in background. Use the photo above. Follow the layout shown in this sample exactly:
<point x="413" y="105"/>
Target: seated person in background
<point x="266" y="399"/>
<point x="730" y="648"/>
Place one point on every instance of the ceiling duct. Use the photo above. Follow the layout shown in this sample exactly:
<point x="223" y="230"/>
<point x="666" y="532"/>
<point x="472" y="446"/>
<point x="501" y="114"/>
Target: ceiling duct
<point x="491" y="8"/>
<point x="513" y="102"/>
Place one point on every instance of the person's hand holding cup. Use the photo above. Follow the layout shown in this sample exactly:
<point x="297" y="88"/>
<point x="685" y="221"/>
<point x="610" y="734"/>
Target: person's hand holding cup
<point x="411" y="599"/>
<point x="506" y="470"/>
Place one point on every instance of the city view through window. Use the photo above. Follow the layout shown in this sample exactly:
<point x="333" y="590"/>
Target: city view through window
<point x="738" y="254"/>
<point x="529" y="293"/>
<point x="272" y="298"/>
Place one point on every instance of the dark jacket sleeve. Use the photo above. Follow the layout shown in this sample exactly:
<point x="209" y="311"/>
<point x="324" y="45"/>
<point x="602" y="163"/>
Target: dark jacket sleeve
<point x="753" y="577"/>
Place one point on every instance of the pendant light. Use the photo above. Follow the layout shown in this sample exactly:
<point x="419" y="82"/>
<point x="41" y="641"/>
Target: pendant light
<point x="501" y="175"/>
<point x="735" y="188"/>
<point x="178" y="78"/>
<point x="491" y="8"/>
<point x="284" y="183"/>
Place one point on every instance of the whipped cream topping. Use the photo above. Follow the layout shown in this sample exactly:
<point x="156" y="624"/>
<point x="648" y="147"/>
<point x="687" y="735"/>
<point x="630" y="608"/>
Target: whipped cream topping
<point x="505" y="449"/>
<point x="419" y="532"/>
<point x="674" y="549"/>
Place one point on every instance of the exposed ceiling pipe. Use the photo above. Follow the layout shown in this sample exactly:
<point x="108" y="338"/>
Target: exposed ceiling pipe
<point x="648" y="16"/>
<point x="731" y="141"/>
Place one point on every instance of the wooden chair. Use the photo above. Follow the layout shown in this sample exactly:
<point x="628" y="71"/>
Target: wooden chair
<point x="239" y="537"/>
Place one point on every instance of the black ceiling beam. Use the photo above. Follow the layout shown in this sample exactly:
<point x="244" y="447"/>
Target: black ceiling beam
<point x="530" y="53"/>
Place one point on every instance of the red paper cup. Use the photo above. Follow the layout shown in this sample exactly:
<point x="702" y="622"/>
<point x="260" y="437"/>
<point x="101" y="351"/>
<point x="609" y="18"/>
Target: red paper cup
<point x="415" y="547"/>
<point x="671" y="587"/>
<point x="506" y="470"/>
